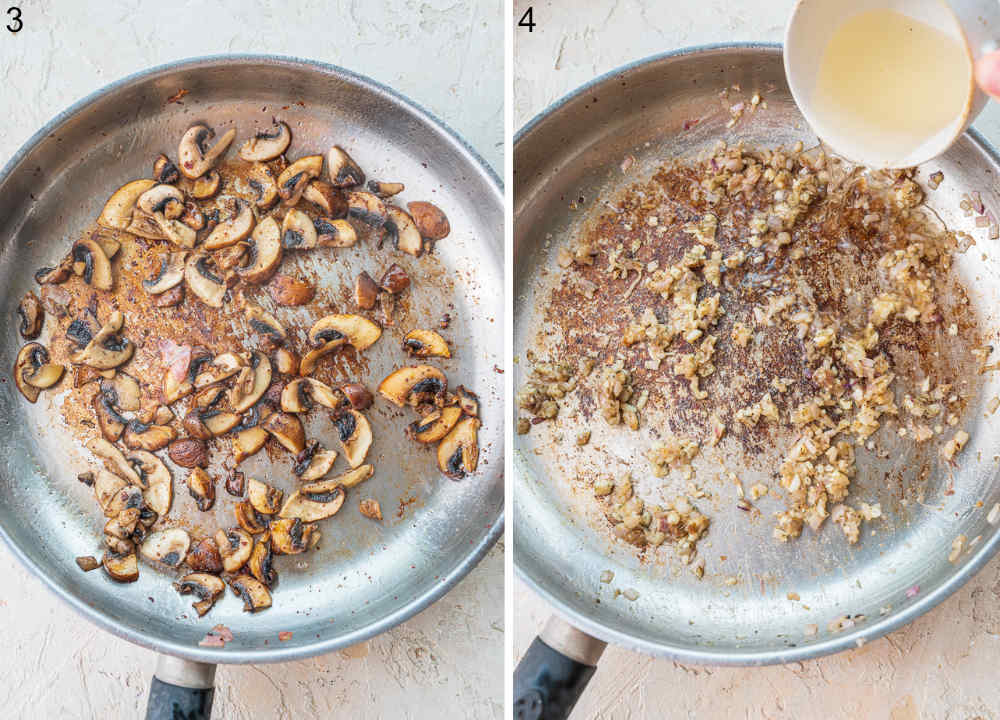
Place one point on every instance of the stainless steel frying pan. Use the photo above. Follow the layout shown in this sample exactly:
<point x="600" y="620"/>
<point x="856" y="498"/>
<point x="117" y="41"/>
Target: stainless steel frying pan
<point x="366" y="577"/>
<point x="567" y="159"/>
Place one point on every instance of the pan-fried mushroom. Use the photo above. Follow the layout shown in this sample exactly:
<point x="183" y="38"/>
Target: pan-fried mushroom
<point x="204" y="556"/>
<point x="145" y="225"/>
<point x="402" y="232"/>
<point x="243" y="397"/>
<point x="294" y="178"/>
<point x="207" y="185"/>
<point x="300" y="395"/>
<point x="209" y="397"/>
<point x="385" y="189"/>
<point x="253" y="592"/>
<point x="355" y="435"/>
<point x="144" y="436"/>
<point x="123" y="525"/>
<point x="108" y="242"/>
<point x="121" y="567"/>
<point x="195" y="426"/>
<point x="207" y="588"/>
<point x="221" y="367"/>
<point x="93" y="264"/>
<point x="434" y="425"/>
<point x="458" y="452"/>
<point x="367" y="207"/>
<point x="248" y="442"/>
<point x="414" y="385"/>
<point x="355" y="476"/>
<point x="290" y="292"/>
<point x="192" y="216"/>
<point x="357" y="395"/>
<point x="314" y="462"/>
<point x="234" y="230"/>
<point x="32" y="316"/>
<point x="156" y="477"/>
<point x="327" y="198"/>
<point x="344" y="172"/>
<point x="107" y="349"/>
<point x="291" y="536"/>
<point x="287" y="430"/>
<point x="370" y="509"/>
<point x="117" y="212"/>
<point x="265" y="253"/>
<point x="315" y="501"/>
<point x="431" y="222"/>
<point x="365" y="291"/>
<point x="110" y="422"/>
<point x="194" y="159"/>
<point x="267" y="144"/>
<point x="235" y="546"/>
<point x="261" y="564"/>
<point x="261" y="179"/>
<point x="334" y="233"/>
<point x="236" y="483"/>
<point x="425" y="343"/>
<point x="163" y="199"/>
<point x="203" y="282"/>
<point x="170" y="274"/>
<point x="219" y="422"/>
<point x="284" y="361"/>
<point x="263" y="322"/>
<point x="115" y="460"/>
<point x="107" y="485"/>
<point x="87" y="563"/>
<point x="264" y="498"/>
<point x="468" y="401"/>
<point x="129" y="496"/>
<point x="355" y="330"/>
<point x="201" y="486"/>
<point x="297" y="231"/>
<point x="229" y="258"/>
<point x="33" y="372"/>
<point x="394" y="280"/>
<point x="126" y="391"/>
<point x="188" y="453"/>
<point x="168" y="546"/>
<point x="250" y="519"/>
<point x="164" y="170"/>
<point x="55" y="275"/>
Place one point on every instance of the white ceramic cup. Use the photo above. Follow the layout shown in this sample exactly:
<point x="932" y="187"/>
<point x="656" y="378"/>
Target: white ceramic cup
<point x="974" y="23"/>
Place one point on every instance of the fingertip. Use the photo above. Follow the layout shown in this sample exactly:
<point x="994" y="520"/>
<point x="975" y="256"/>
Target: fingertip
<point x="988" y="74"/>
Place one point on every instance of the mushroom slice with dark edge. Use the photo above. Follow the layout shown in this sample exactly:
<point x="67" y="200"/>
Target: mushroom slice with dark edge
<point x="207" y="185"/>
<point x="169" y="276"/>
<point x="267" y="144"/>
<point x="107" y="349"/>
<point x="123" y="525"/>
<point x="164" y="170"/>
<point x="326" y="197"/>
<point x="291" y="536"/>
<point x="219" y="422"/>
<point x="316" y="465"/>
<point x="261" y="563"/>
<point x="297" y="231"/>
<point x="235" y="546"/>
<point x="144" y="225"/>
<point x="468" y="401"/>
<point x="222" y="367"/>
<point x="299" y="395"/>
<point x="110" y="422"/>
<point x="385" y="189"/>
<point x="249" y="519"/>
<point x="203" y="282"/>
<point x="117" y="212"/>
<point x="435" y="425"/>
<point x="150" y="437"/>
<point x="188" y="453"/>
<point x="287" y="430"/>
<point x="204" y="556"/>
<point x="168" y="546"/>
<point x="248" y="442"/>
<point x="201" y="487"/>
<point x="122" y="567"/>
<point x="265" y="253"/>
<point x="261" y="180"/>
<point x="209" y="397"/>
<point x="159" y="492"/>
<point x="355" y="435"/>
<point x="315" y="501"/>
<point x="235" y="229"/>
<point x="192" y="216"/>
<point x="458" y="452"/>
<point x="431" y="222"/>
<point x="414" y="385"/>
<point x="194" y="159"/>
<point x="55" y="275"/>
<point x="236" y="483"/>
<point x="356" y="330"/>
<point x="344" y="172"/>
<point x="247" y="397"/>
<point x="290" y="292"/>
<point x="357" y="395"/>
<point x="195" y="426"/>
<point x="107" y="485"/>
<point x="33" y="372"/>
<point x="367" y="207"/>
<point x="95" y="268"/>
<point x="115" y="460"/>
<point x="294" y="178"/>
<point x="264" y="498"/>
<point x="163" y="199"/>
<point x="207" y="588"/>
<point x="263" y="322"/>
<point x="365" y="291"/>
<point x="334" y="233"/>
<point x="355" y="476"/>
<point x="394" y="279"/>
<point x="254" y="593"/>
<point x="400" y="229"/>
<point x="32" y="316"/>
<point x="425" y="343"/>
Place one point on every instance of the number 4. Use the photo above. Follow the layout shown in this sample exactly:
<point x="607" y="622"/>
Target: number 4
<point x="527" y="20"/>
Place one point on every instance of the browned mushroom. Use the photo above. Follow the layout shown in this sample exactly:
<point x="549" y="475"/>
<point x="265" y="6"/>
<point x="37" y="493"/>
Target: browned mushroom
<point x="365" y="291"/>
<point x="201" y="486"/>
<point x="430" y="220"/>
<point x="32" y="316"/>
<point x="291" y="292"/>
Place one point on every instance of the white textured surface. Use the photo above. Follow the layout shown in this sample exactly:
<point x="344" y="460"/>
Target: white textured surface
<point x="940" y="666"/>
<point x="448" y="57"/>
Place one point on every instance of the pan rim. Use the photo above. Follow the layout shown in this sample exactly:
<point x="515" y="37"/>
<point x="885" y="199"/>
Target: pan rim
<point x="920" y="605"/>
<point x="494" y="530"/>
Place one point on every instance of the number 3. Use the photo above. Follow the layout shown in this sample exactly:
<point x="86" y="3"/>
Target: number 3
<point x="15" y="17"/>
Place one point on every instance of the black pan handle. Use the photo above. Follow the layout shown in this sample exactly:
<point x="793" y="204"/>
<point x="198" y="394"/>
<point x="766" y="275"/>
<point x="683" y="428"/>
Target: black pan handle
<point x="554" y="672"/>
<point x="181" y="690"/>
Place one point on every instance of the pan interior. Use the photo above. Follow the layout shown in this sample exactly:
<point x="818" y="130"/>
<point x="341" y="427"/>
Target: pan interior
<point x="366" y="576"/>
<point x="567" y="162"/>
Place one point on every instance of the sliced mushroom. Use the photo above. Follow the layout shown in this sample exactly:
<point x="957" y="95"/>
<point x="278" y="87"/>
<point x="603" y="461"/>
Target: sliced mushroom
<point x="150" y="437"/>
<point x="287" y="430"/>
<point x="262" y="181"/>
<point x="294" y="179"/>
<point x="165" y="200"/>
<point x="123" y="525"/>
<point x="116" y="461"/>
<point x="355" y="330"/>
<point x="87" y="563"/>
<point x="254" y="593"/>
<point x="370" y="509"/>
<point x="267" y="144"/>
<point x="145" y="225"/>
<point x="122" y="392"/>
<point x="169" y="276"/>
<point x="32" y="316"/>
<point x="355" y="435"/>
<point x="367" y="207"/>
<point x="129" y="496"/>
<point x="261" y="564"/>
<point x="284" y="361"/>
<point x="291" y="536"/>
<point x="159" y="492"/>
<point x="249" y="519"/>
<point x="110" y="422"/>
<point x="243" y="398"/>
<point x="234" y="230"/>
<point x="107" y="485"/>
<point x="357" y="395"/>
<point x="264" y="498"/>
<point x="207" y="588"/>
<point x="33" y="372"/>
<point x="327" y="198"/>
<point x="394" y="280"/>
<point x="122" y="567"/>
<point x="344" y="172"/>
<point x="425" y="343"/>
<point x="117" y="212"/>
<point x="229" y="258"/>
<point x="107" y="349"/>
<point x="221" y="367"/>
<point x="434" y="425"/>
<point x="195" y="426"/>
<point x="204" y="283"/>
<point x="401" y="230"/>
<point x="365" y="291"/>
<point x="169" y="546"/>
<point x="201" y="486"/>
<point x="95" y="268"/>
<point x="207" y="185"/>
<point x="468" y="401"/>
<point x="109" y="243"/>
<point x="297" y="231"/>
<point x="334" y="233"/>
<point x="235" y="546"/>
<point x="236" y="483"/>
<point x="355" y="476"/>
<point x="164" y="170"/>
<point x="55" y="275"/>
<point x="300" y="395"/>
<point x="263" y="322"/>
<point x="194" y="158"/>
<point x="192" y="216"/>
<point x="385" y="189"/>
<point x="431" y="222"/>
<point x="265" y="253"/>
<point x="290" y="292"/>
<point x="248" y="442"/>
<point x="315" y="501"/>
<point x="317" y="464"/>
<point x="188" y="453"/>
<point x="414" y="385"/>
<point x="458" y="452"/>
<point x="219" y="422"/>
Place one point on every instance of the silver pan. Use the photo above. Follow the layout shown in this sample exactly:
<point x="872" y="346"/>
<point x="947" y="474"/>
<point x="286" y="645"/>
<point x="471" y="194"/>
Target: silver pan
<point x="573" y="150"/>
<point x="366" y="577"/>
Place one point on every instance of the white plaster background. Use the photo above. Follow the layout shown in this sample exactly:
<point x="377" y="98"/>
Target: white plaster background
<point x="447" y="55"/>
<point x="942" y="665"/>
